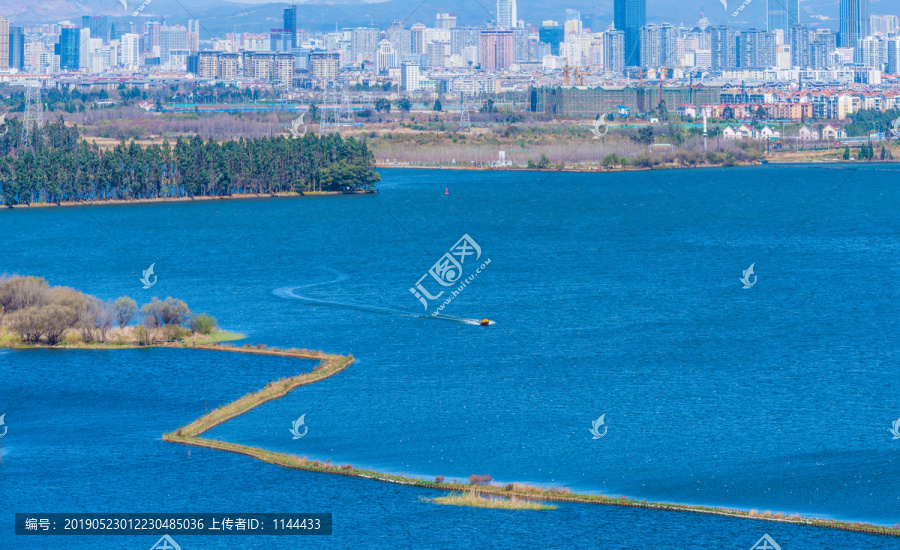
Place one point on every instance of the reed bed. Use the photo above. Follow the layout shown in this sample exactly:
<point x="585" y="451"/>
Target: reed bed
<point x="476" y="500"/>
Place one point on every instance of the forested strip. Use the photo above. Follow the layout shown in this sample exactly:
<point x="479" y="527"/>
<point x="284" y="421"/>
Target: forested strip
<point x="60" y="166"/>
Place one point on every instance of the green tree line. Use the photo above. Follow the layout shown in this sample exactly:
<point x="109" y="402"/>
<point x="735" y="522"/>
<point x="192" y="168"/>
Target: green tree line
<point x="60" y="166"/>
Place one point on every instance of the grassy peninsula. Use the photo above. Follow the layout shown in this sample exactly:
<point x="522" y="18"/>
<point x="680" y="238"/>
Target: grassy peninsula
<point x="33" y="313"/>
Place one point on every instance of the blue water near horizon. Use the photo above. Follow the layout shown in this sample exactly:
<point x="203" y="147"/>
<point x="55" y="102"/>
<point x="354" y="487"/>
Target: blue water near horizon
<point x="613" y="294"/>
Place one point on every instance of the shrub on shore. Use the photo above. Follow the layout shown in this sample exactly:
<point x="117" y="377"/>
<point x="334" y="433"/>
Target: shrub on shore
<point x="475" y="479"/>
<point x="33" y="312"/>
<point x="204" y="324"/>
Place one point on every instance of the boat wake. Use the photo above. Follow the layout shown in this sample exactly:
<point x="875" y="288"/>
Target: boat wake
<point x="294" y="293"/>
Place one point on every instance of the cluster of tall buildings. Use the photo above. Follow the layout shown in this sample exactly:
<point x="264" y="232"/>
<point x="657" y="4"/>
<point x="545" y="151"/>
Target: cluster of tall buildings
<point x="96" y="46"/>
<point x="626" y="46"/>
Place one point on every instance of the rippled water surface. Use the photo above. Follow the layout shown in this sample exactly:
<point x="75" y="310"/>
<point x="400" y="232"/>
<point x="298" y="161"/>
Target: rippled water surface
<point x="615" y="294"/>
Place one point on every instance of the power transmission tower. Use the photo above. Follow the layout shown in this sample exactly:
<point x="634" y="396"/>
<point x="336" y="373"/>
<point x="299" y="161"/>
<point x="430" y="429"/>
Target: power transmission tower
<point x="345" y="115"/>
<point x="34" y="112"/>
<point x="330" y="117"/>
<point x="465" y="124"/>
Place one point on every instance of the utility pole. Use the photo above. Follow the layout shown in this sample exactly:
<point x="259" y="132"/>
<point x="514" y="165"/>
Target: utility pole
<point x="704" y="129"/>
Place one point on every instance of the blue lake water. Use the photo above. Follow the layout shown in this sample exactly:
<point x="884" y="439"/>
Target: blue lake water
<point x="615" y="294"/>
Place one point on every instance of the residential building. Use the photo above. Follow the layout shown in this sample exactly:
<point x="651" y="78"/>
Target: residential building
<point x="5" y="56"/>
<point x="409" y="77"/>
<point x="496" y="50"/>
<point x="723" y="47"/>
<point x="782" y="15"/>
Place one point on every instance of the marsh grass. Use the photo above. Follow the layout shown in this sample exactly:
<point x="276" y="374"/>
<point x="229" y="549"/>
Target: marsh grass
<point x="328" y="365"/>
<point x="476" y="500"/>
<point x="514" y="496"/>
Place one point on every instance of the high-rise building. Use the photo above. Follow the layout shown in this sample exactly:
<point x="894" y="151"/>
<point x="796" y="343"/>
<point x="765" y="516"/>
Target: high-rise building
<point x="279" y="40"/>
<point x="17" y="47"/>
<point x="506" y="14"/>
<point x="756" y="49"/>
<point x="409" y="76"/>
<point x="171" y="38"/>
<point x="629" y="16"/>
<point x="614" y="51"/>
<point x="290" y="24"/>
<point x="324" y="65"/>
<point x="871" y="52"/>
<point x="385" y="57"/>
<point x="723" y="48"/>
<point x="659" y="46"/>
<point x="417" y="38"/>
<point x="496" y="50"/>
<point x="893" y="55"/>
<point x="438" y="52"/>
<point x="68" y="48"/>
<point x="4" y="44"/>
<point x="400" y="40"/>
<point x="193" y="35"/>
<point x="464" y="37"/>
<point x="130" y="52"/>
<point x="782" y="14"/>
<point x="445" y="20"/>
<point x="854" y="22"/>
<point x="552" y="35"/>
<point x="85" y="45"/>
<point x="363" y="43"/>
<point x="883" y="25"/>
<point x="800" y="47"/>
<point x="97" y="25"/>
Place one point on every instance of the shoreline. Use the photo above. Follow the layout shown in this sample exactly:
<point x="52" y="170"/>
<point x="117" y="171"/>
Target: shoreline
<point x="233" y="196"/>
<point x="333" y="364"/>
<point x="602" y="170"/>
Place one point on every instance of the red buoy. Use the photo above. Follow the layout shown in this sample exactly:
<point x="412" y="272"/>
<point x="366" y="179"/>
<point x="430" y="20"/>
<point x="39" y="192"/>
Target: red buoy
<point x="446" y="190"/>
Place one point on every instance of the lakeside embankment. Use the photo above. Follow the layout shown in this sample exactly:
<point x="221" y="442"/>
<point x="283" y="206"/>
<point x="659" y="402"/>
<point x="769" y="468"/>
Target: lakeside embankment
<point x="332" y="364"/>
<point x="108" y="202"/>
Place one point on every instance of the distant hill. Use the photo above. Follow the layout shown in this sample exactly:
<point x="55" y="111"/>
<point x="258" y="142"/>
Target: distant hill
<point x="218" y="16"/>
